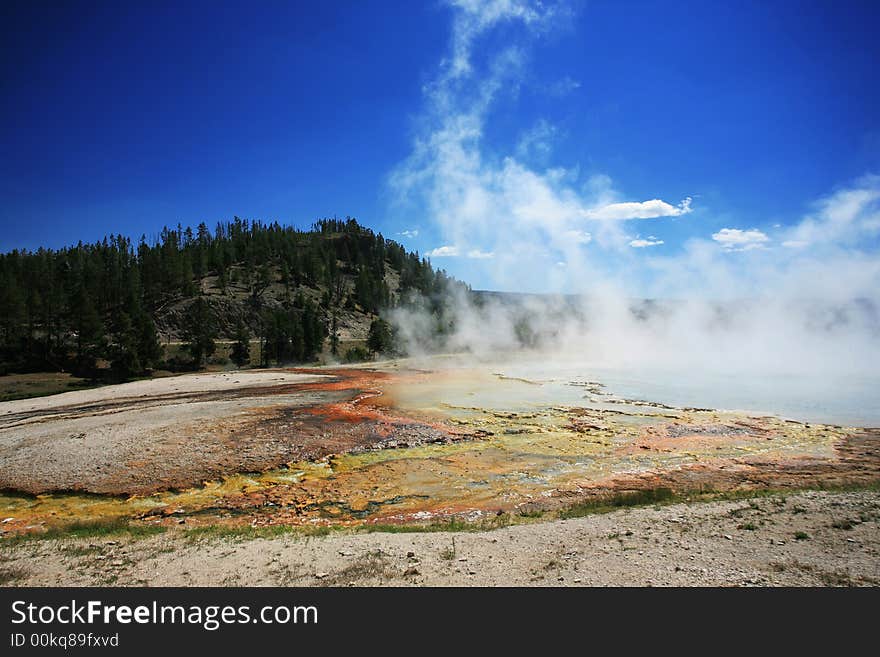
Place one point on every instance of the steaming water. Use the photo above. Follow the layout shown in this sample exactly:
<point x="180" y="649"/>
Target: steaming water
<point x="850" y="400"/>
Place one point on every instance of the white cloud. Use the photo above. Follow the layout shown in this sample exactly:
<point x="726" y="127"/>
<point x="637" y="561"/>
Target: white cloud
<point x="537" y="142"/>
<point x="476" y="254"/>
<point x="734" y="239"/>
<point x="443" y="252"/>
<point x="838" y="262"/>
<point x="409" y="233"/>
<point x="639" y="210"/>
<point x="578" y="236"/>
<point x="563" y="86"/>
<point x="642" y="243"/>
<point x="451" y="251"/>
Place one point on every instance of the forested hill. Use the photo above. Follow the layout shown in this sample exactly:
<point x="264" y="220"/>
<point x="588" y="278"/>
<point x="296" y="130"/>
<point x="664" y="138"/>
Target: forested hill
<point x="124" y="307"/>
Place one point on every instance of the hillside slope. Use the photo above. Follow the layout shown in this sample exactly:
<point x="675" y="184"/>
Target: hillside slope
<point x="114" y="304"/>
<point x="235" y="302"/>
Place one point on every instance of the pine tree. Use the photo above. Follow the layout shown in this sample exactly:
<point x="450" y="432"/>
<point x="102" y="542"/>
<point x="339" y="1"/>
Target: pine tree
<point x="380" y="338"/>
<point x="297" y="340"/>
<point x="125" y="361"/>
<point x="312" y="331"/>
<point x="334" y="336"/>
<point x="149" y="349"/>
<point x="12" y="313"/>
<point x="241" y="349"/>
<point x="199" y="332"/>
<point x="89" y="333"/>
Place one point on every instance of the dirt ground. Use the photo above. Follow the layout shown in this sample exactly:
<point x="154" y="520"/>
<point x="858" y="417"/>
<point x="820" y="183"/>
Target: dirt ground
<point x="800" y="539"/>
<point x="156" y="434"/>
<point x="274" y="477"/>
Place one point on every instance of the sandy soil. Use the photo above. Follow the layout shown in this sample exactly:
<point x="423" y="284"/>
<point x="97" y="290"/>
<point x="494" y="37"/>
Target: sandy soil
<point x="802" y="539"/>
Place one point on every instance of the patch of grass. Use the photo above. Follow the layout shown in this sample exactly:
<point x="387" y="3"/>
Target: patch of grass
<point x="284" y="575"/>
<point x="777" y="493"/>
<point x="10" y="575"/>
<point x="81" y="550"/>
<point x="843" y="524"/>
<point x="40" y="384"/>
<point x="661" y="496"/>
<point x="835" y="577"/>
<point x="749" y="526"/>
<point x="276" y="531"/>
<point x="801" y="536"/>
<point x="98" y="528"/>
<point x="89" y="529"/>
<point x="614" y="502"/>
<point x="320" y="530"/>
<point x="450" y="525"/>
<point x="369" y="567"/>
<point x="208" y="532"/>
<point x="247" y="532"/>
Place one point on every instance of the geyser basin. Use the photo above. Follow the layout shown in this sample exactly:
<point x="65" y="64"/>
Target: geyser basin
<point x="406" y="442"/>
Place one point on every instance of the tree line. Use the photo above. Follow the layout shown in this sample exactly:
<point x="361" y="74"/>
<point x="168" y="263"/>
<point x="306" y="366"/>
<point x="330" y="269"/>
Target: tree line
<point x="94" y="307"/>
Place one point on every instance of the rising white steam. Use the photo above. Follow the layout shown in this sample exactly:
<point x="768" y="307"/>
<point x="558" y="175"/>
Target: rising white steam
<point x="801" y="299"/>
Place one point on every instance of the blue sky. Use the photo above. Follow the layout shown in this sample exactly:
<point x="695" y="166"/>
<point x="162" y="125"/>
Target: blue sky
<point x="491" y="129"/>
